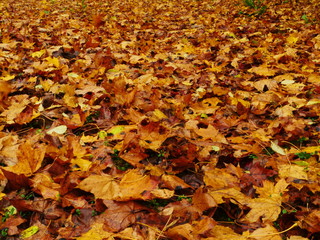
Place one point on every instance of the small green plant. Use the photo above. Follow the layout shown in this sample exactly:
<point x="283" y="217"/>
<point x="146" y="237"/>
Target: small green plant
<point x="181" y="197"/>
<point x="94" y="213"/>
<point x="77" y="212"/>
<point x="9" y="211"/>
<point x="304" y="155"/>
<point x="256" y="5"/>
<point x="253" y="156"/>
<point x="303" y="139"/>
<point x="162" y="154"/>
<point x="92" y="116"/>
<point x="28" y="196"/>
<point x="4" y="232"/>
<point x="83" y="4"/>
<point x="157" y="203"/>
<point x="268" y="151"/>
<point x="285" y="211"/>
<point x="305" y="18"/>
<point x="119" y="162"/>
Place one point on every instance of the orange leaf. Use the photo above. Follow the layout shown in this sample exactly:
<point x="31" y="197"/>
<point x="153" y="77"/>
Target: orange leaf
<point x="30" y="157"/>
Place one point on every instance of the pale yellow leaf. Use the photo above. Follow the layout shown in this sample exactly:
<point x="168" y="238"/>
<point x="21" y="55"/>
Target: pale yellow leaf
<point x="58" y="130"/>
<point x="275" y="147"/>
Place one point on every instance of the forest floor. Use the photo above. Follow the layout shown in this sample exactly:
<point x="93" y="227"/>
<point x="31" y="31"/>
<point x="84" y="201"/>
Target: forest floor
<point x="162" y="119"/>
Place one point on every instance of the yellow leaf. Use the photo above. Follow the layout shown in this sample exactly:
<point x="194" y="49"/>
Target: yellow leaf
<point x="29" y="232"/>
<point x="96" y="233"/>
<point x="30" y="157"/>
<point x="313" y="101"/>
<point x="118" y="132"/>
<point x="162" y="193"/>
<point x="134" y="184"/>
<point x="293" y="171"/>
<point x="8" y="77"/>
<point x="158" y="114"/>
<point x="292" y="39"/>
<point x="262" y="208"/>
<point x="83" y="164"/>
<point x="285" y="111"/>
<point x="54" y="61"/>
<point x="297" y="238"/>
<point x="2" y="195"/>
<point x="266" y="233"/>
<point x="311" y="149"/>
<point x="102" y="186"/>
<point x="220" y="195"/>
<point x="223" y="233"/>
<point x="224" y="180"/>
<point x="38" y="53"/>
<point x="263" y="71"/>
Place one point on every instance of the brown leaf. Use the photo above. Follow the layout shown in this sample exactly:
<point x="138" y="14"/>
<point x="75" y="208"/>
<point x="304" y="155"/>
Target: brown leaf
<point x="118" y="216"/>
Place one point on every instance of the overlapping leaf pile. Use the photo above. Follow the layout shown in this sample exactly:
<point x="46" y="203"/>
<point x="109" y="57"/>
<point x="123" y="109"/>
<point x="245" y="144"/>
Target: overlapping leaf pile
<point x="159" y="119"/>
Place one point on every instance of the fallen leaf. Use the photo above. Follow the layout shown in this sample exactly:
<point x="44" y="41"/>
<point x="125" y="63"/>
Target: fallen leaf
<point x="30" y="157"/>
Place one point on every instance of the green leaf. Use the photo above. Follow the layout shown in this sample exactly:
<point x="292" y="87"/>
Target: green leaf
<point x="301" y="163"/>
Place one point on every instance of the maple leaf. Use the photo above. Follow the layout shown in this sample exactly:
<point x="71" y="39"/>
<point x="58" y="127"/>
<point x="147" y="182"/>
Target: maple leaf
<point x="18" y="104"/>
<point x="119" y="215"/>
<point x="96" y="232"/>
<point x="263" y="71"/>
<point x="133" y="185"/>
<point x="311" y="221"/>
<point x="30" y="157"/>
<point x="221" y="233"/>
<point x="223" y="181"/>
<point x="268" y="233"/>
<point x="8" y="149"/>
<point x="104" y="186"/>
<point x="203" y="200"/>
<point x="196" y="230"/>
<point x="268" y="205"/>
<point x="153" y="135"/>
<point x="206" y="133"/>
<point x="44" y="183"/>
